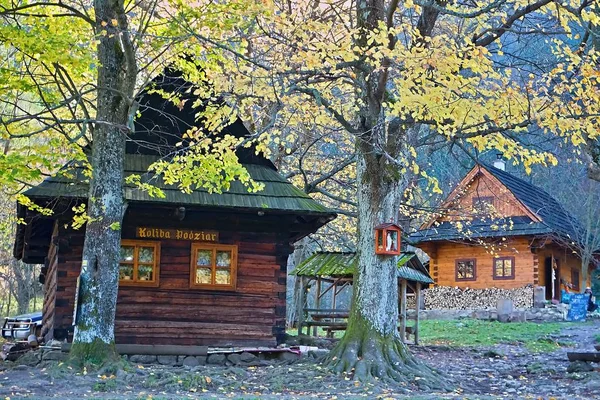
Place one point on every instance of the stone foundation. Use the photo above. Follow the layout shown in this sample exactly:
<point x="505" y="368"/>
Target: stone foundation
<point x="246" y="358"/>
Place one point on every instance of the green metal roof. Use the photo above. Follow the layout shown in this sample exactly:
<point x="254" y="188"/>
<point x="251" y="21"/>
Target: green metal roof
<point x="278" y="193"/>
<point x="333" y="264"/>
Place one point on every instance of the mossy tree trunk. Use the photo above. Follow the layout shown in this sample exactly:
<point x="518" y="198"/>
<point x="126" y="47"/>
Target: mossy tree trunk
<point x="371" y="346"/>
<point x="93" y="341"/>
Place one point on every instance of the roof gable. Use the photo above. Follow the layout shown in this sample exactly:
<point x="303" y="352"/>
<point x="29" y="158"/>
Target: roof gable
<point x="480" y="183"/>
<point x="541" y="203"/>
<point x="522" y="209"/>
<point x="162" y="123"/>
<point x="160" y="126"/>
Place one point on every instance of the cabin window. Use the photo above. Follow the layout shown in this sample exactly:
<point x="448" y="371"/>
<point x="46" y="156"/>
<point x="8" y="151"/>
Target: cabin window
<point x="139" y="262"/>
<point x="575" y="279"/>
<point x="465" y="270"/>
<point x="483" y="205"/>
<point x="504" y="268"/>
<point x="213" y="266"/>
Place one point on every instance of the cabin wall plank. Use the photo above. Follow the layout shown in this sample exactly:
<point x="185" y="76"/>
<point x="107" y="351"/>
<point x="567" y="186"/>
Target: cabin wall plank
<point x="173" y="313"/>
<point x="444" y="255"/>
<point x="48" y="309"/>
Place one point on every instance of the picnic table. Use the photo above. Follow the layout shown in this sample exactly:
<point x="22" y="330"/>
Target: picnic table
<point x="330" y="320"/>
<point x="326" y="316"/>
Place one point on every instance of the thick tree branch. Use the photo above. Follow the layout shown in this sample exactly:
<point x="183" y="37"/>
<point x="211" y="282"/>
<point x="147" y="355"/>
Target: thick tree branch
<point x="316" y="95"/>
<point x="336" y="198"/>
<point x="339" y="167"/>
<point x="441" y="8"/>
<point x="487" y="37"/>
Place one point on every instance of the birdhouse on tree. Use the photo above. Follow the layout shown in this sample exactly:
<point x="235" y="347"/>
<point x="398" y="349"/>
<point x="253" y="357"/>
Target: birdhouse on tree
<point x="387" y="239"/>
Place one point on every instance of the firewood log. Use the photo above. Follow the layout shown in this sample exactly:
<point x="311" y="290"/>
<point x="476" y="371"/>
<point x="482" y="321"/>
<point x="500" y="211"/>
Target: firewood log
<point x="455" y="298"/>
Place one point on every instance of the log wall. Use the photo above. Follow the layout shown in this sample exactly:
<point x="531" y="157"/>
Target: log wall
<point x="50" y="267"/>
<point x="64" y="264"/>
<point x="444" y="255"/>
<point x="252" y="315"/>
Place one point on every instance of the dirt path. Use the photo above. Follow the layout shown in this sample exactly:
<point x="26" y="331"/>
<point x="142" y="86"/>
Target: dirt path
<point x="511" y="371"/>
<point x="502" y="371"/>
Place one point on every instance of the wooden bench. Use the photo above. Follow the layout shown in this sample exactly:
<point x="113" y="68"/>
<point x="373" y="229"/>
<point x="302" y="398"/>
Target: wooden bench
<point x="410" y="330"/>
<point x="331" y="327"/>
<point x="330" y="320"/>
<point x="322" y="316"/>
<point x="326" y="319"/>
<point x="329" y="331"/>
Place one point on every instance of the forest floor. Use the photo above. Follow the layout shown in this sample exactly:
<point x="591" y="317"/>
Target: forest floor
<point x="482" y="360"/>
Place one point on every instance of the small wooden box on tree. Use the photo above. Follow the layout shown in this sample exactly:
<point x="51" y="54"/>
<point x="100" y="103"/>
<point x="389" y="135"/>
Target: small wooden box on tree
<point x="387" y="239"/>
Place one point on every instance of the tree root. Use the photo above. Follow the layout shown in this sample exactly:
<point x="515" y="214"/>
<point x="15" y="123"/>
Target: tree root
<point x="372" y="356"/>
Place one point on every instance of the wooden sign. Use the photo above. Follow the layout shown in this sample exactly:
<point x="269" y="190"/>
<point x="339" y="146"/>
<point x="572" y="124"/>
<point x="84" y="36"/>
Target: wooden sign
<point x="176" y="234"/>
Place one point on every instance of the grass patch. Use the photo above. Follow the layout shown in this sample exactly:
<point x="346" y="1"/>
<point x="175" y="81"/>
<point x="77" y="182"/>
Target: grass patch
<point x="190" y="381"/>
<point x="535" y="337"/>
<point x="473" y="333"/>
<point x="107" y="385"/>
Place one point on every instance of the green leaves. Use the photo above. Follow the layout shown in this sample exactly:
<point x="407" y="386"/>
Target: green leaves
<point x="208" y="163"/>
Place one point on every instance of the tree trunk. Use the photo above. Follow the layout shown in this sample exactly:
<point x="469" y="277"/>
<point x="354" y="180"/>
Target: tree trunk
<point x="371" y="347"/>
<point x="93" y="341"/>
<point x="20" y="280"/>
<point x="300" y="254"/>
<point x="24" y="286"/>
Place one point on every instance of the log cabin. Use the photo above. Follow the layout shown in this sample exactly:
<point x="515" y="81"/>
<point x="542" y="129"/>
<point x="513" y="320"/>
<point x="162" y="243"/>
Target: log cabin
<point x="497" y="230"/>
<point x="196" y="269"/>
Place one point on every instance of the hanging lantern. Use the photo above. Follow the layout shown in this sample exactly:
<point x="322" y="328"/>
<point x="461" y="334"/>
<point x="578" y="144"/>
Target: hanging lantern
<point x="387" y="239"/>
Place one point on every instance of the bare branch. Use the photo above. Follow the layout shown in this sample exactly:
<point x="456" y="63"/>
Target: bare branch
<point x="336" y="198"/>
<point x="493" y="34"/>
<point x="73" y="12"/>
<point x="315" y="94"/>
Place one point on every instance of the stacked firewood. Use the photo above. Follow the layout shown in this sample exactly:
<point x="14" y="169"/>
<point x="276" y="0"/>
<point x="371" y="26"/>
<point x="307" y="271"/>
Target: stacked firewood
<point x="455" y="298"/>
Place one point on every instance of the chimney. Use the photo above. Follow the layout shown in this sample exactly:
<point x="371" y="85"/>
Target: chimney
<point x="499" y="162"/>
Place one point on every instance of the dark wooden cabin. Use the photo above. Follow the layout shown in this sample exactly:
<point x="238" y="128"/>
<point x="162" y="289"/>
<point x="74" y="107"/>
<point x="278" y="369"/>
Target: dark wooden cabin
<point x="197" y="269"/>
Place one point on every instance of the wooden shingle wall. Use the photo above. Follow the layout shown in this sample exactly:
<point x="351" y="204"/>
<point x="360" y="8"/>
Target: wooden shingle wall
<point x="505" y="204"/>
